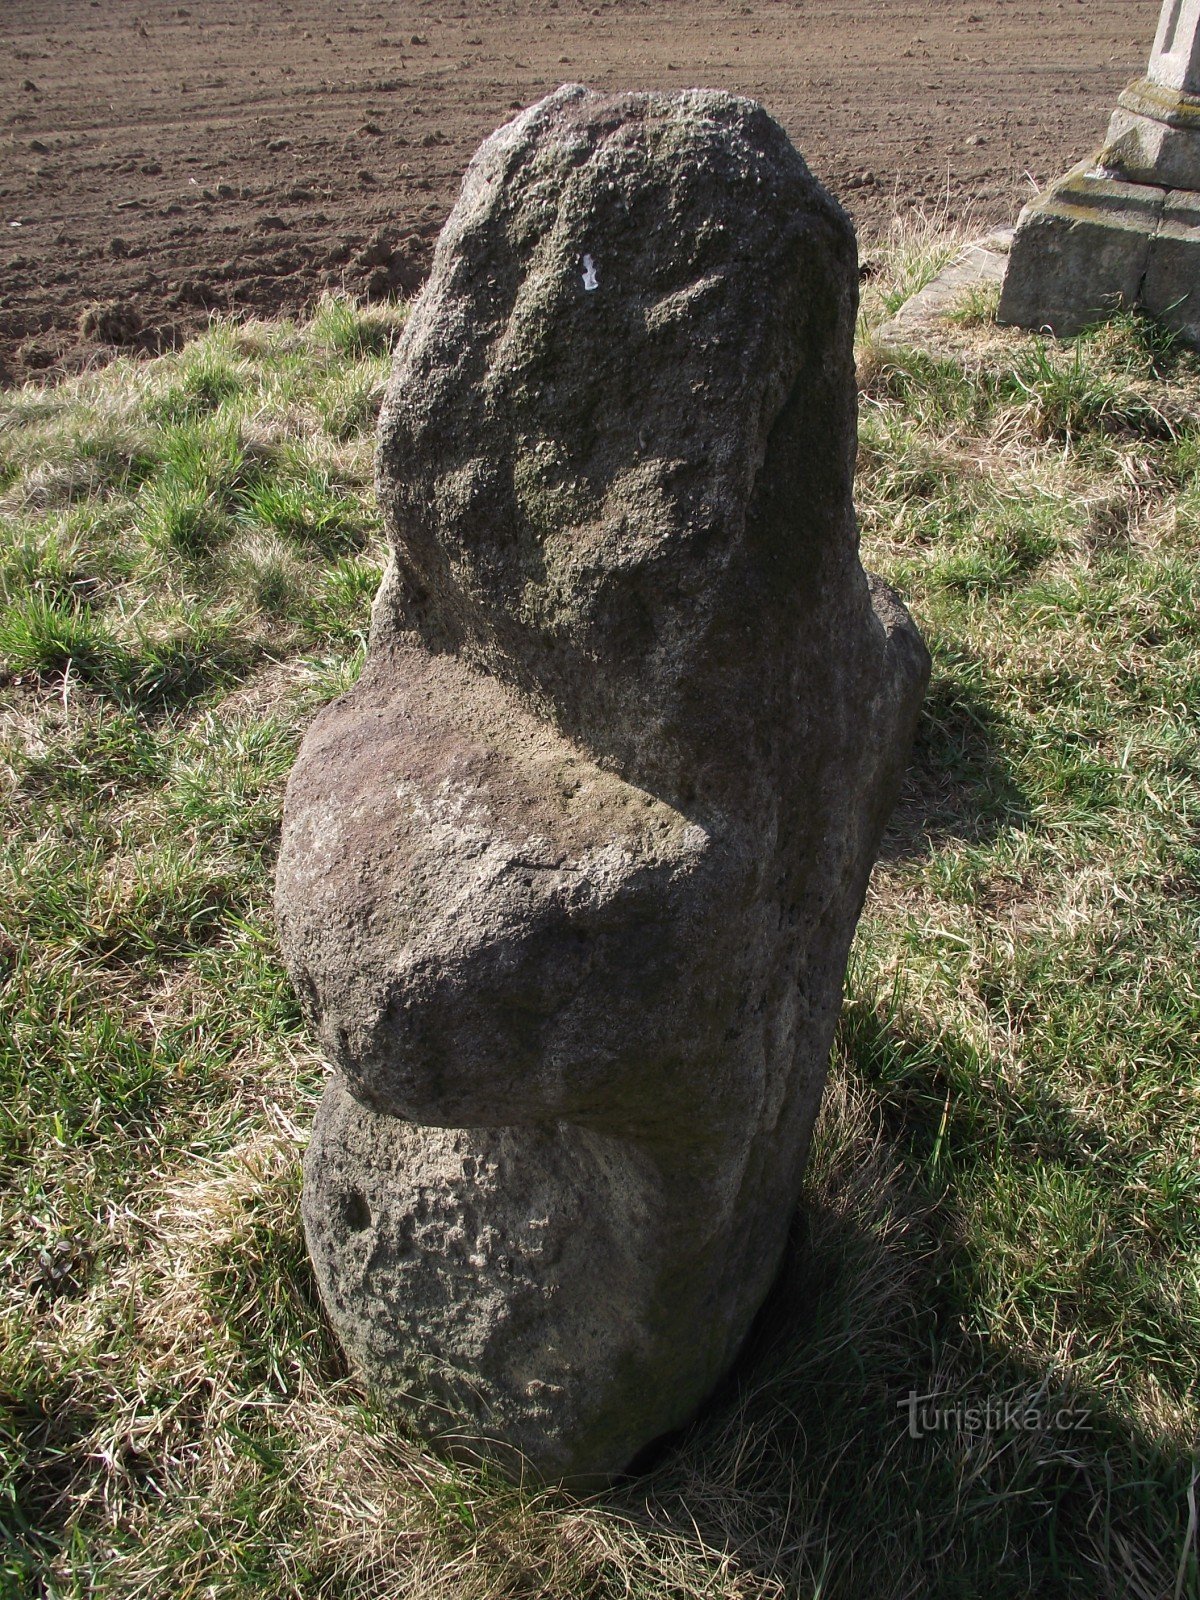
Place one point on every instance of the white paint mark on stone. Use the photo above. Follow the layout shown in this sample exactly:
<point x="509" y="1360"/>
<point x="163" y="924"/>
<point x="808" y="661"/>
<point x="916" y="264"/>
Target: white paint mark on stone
<point x="590" y="280"/>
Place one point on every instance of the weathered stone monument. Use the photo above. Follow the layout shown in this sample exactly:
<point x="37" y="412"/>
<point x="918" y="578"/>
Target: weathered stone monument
<point x="569" y="878"/>
<point x="1122" y="229"/>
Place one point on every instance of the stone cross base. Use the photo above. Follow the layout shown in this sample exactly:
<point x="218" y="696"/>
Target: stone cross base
<point x="1094" y="244"/>
<point x="1154" y="136"/>
<point x="1122" y="231"/>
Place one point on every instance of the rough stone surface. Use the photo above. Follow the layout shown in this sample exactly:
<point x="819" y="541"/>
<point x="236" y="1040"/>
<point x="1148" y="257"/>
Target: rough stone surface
<point x="569" y="878"/>
<point x="1080" y="252"/>
<point x="1093" y="244"/>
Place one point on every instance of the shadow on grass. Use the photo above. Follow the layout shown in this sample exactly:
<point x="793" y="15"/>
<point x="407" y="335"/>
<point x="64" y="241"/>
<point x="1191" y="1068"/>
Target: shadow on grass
<point x="871" y="1441"/>
<point x="43" y="1431"/>
<point x="958" y="784"/>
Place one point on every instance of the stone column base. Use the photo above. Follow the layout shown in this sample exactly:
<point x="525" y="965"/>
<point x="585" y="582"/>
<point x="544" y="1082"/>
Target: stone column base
<point x="1154" y="137"/>
<point x="1093" y="244"/>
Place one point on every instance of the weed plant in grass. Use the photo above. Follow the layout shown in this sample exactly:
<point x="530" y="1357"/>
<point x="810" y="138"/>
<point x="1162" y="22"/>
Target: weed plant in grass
<point x="1000" y="1215"/>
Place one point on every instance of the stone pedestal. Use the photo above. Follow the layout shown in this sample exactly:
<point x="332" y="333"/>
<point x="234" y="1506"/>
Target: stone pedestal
<point x="1122" y="229"/>
<point x="1154" y="136"/>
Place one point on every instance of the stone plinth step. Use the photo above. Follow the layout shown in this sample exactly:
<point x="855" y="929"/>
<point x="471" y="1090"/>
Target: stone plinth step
<point x="981" y="262"/>
<point x="1154" y="137"/>
<point x="1093" y="244"/>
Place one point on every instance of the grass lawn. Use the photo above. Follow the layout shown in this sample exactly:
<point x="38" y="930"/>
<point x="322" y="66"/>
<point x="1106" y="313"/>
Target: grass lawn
<point x="1002" y="1212"/>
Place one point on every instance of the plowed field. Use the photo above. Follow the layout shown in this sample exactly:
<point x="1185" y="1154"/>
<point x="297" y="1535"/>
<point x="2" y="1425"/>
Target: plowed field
<point x="161" y="161"/>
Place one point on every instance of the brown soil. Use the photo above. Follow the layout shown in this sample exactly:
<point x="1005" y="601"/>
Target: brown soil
<point x="167" y="160"/>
